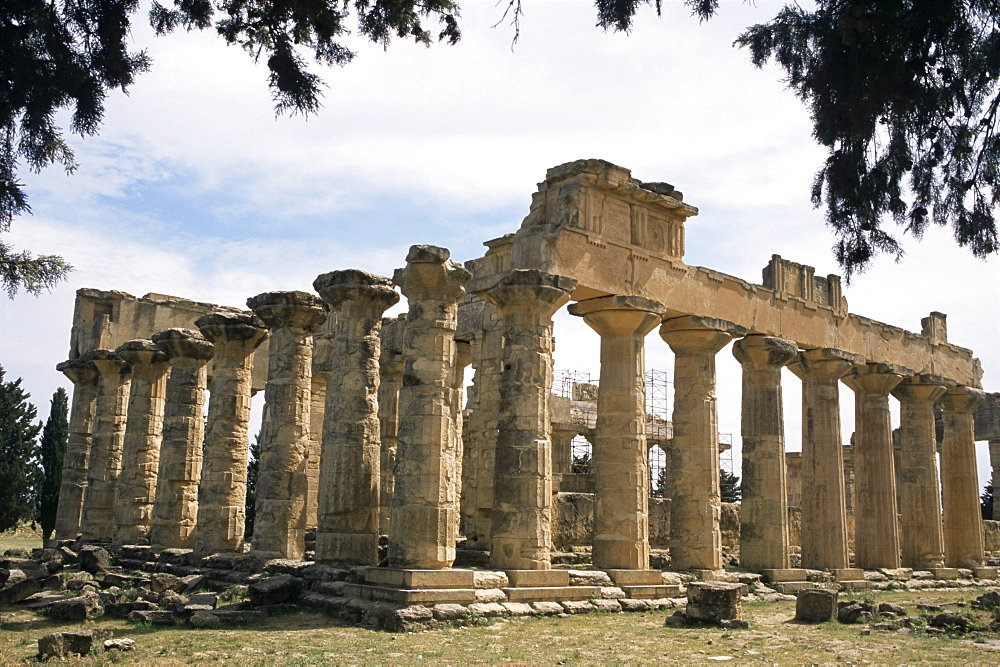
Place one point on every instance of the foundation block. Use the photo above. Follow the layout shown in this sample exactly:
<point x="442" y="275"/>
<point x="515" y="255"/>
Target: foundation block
<point x="786" y="574"/>
<point x="423" y="579"/>
<point x="636" y="577"/>
<point x="652" y="592"/>
<point x="536" y="578"/>
<point x="552" y="593"/>
<point x="944" y="573"/>
<point x="847" y="574"/>
<point x="984" y="572"/>
<point x="406" y="596"/>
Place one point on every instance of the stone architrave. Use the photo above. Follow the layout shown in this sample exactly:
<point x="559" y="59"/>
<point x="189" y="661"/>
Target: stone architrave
<point x="98" y="519"/>
<point x="223" y="488"/>
<point x="347" y="514"/>
<point x="522" y="489"/>
<point x="76" y="460"/>
<point x="425" y="503"/>
<point x="143" y="434"/>
<point x="390" y="382"/>
<point x="282" y="482"/>
<point x="917" y="478"/>
<point x="876" y="532"/>
<point x="175" y="509"/>
<point x="764" y="504"/>
<point x="695" y="495"/>
<point x="963" y="525"/>
<point x="620" y="459"/>
<point x="824" y="509"/>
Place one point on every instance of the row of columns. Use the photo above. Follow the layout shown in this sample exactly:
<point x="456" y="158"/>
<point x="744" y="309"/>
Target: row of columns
<point x="139" y="490"/>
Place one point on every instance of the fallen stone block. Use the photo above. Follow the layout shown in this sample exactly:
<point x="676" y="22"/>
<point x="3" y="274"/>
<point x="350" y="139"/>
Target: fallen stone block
<point x="547" y="608"/>
<point x="157" y="617"/>
<point x="10" y="577"/>
<point x="628" y="604"/>
<point x="274" y="590"/>
<point x="123" y="644"/>
<point x="62" y="644"/>
<point x="577" y="606"/>
<point x="193" y="583"/>
<point x="30" y="568"/>
<point x="205" y="619"/>
<point x="19" y="591"/>
<point x="854" y="612"/>
<point x="94" y="559"/>
<point x="816" y="605"/>
<point x="450" y="612"/>
<point x="607" y="605"/>
<point x="713" y="601"/>
<point x="42" y="600"/>
<point x="209" y="599"/>
<point x="589" y="578"/>
<point x="487" y="580"/>
<point x="77" y="609"/>
<point x="162" y="582"/>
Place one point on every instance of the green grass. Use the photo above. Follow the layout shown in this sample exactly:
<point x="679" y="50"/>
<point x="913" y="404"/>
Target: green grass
<point x="309" y="638"/>
<point x="22" y="538"/>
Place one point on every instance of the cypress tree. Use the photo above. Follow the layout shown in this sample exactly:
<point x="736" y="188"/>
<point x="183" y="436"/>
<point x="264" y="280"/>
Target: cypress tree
<point x="55" y="435"/>
<point x="19" y="473"/>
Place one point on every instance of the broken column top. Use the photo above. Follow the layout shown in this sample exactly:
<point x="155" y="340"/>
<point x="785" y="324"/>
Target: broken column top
<point x="338" y="287"/>
<point x="184" y="343"/>
<point x="293" y="309"/>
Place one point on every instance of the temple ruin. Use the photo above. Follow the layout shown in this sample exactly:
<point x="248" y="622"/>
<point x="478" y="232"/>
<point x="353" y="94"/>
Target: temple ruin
<point x="365" y="434"/>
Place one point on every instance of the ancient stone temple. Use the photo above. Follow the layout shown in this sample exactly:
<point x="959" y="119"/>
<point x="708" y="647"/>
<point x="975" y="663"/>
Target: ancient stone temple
<point x="366" y="437"/>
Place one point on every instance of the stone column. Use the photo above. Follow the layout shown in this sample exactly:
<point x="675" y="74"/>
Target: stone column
<point x="824" y="509"/>
<point x="425" y="505"/>
<point x="480" y="432"/>
<point x="764" y="507"/>
<point x="223" y="489"/>
<point x="282" y="482"/>
<point x="317" y="415"/>
<point x="76" y="460"/>
<point x="963" y="523"/>
<point x="620" y="458"/>
<point x="995" y="479"/>
<point x="695" y="497"/>
<point x="98" y="520"/>
<point x="919" y="492"/>
<point x="876" y="532"/>
<point x="522" y="488"/>
<point x="175" y="509"/>
<point x="347" y="530"/>
<point x="141" y="448"/>
<point x="463" y="357"/>
<point x="390" y="382"/>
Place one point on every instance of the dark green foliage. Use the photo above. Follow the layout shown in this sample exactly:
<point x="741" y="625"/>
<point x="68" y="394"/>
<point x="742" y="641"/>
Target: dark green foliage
<point x="986" y="502"/>
<point x="904" y="97"/>
<point x="55" y="436"/>
<point x="253" y="467"/>
<point x="729" y="485"/>
<point x="19" y="472"/>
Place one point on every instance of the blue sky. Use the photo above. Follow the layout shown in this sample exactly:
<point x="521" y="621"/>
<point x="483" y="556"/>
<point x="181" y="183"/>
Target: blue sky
<point x="195" y="189"/>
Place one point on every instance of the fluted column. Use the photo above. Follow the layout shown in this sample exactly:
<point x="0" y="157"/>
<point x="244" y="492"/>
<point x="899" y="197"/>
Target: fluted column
<point x="522" y="488"/>
<point x="824" y="509"/>
<point x="463" y="357"/>
<point x="425" y="505"/>
<point x="347" y="530"/>
<point x="317" y="415"/>
<point x="282" y="482"/>
<point x="175" y="508"/>
<point x="480" y="431"/>
<point x="764" y="504"/>
<point x="695" y="496"/>
<point x="876" y="533"/>
<point x="76" y="460"/>
<point x="620" y="458"/>
<point x="141" y="448"/>
<point x="98" y="521"/>
<point x="223" y="489"/>
<point x="919" y="491"/>
<point x="390" y="382"/>
<point x="963" y="523"/>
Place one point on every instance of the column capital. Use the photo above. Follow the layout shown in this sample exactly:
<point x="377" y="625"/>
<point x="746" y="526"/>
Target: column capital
<point x="429" y="273"/>
<point x="825" y="364"/>
<point x="962" y="399"/>
<point x="300" y="311"/>
<point x="922" y="387"/>
<point x="232" y="327"/>
<point x="697" y="334"/>
<point x="140" y="352"/>
<point x="617" y="315"/>
<point x="108" y="362"/>
<point x="876" y="378"/>
<point x="530" y="290"/>
<point x="180" y="343"/>
<point x="759" y="352"/>
<point x="78" y="371"/>
<point x="356" y="293"/>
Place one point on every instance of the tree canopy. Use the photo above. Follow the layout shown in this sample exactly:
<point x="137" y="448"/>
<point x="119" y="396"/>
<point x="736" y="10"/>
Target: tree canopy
<point x="52" y="450"/>
<point x="19" y="473"/>
<point x="903" y="94"/>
